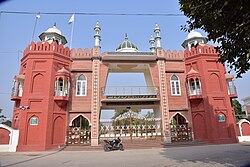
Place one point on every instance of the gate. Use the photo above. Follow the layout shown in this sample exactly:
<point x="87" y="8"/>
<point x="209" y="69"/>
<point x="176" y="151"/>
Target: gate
<point x="131" y="125"/>
<point x="77" y="136"/>
<point x="181" y="133"/>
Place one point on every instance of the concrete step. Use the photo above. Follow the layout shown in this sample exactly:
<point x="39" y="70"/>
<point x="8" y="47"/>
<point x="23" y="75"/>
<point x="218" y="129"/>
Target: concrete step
<point x="136" y="144"/>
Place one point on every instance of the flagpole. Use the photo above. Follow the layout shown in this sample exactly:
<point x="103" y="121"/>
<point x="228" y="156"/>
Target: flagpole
<point x="37" y="17"/>
<point x="71" y="35"/>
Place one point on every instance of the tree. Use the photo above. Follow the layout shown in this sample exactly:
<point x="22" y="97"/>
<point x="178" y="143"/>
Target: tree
<point x="237" y="109"/>
<point x="3" y="119"/>
<point x="120" y="112"/>
<point x="149" y="115"/>
<point x="226" y="22"/>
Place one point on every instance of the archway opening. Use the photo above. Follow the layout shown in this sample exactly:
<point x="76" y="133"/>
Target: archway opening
<point x="81" y="122"/>
<point x="180" y="131"/>
<point x="178" y="120"/>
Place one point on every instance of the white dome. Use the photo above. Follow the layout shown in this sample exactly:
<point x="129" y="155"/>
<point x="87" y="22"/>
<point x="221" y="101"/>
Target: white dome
<point x="193" y="34"/>
<point x="53" y="30"/>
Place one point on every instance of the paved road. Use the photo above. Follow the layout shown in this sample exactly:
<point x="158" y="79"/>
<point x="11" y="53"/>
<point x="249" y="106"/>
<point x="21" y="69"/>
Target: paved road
<point x="205" y="156"/>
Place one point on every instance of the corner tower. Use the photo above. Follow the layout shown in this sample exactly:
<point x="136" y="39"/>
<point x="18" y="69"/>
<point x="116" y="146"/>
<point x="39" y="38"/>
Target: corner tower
<point x="43" y="91"/>
<point x="208" y="92"/>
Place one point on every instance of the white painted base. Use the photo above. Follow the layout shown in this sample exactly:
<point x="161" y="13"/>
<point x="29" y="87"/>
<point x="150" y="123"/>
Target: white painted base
<point x="243" y="138"/>
<point x="94" y="142"/>
<point x="167" y="139"/>
<point x="14" y="135"/>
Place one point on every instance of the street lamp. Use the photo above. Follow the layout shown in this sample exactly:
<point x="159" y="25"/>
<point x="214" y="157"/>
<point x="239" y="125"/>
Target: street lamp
<point x="24" y="107"/>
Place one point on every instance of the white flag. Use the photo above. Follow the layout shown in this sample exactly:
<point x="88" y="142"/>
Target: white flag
<point x="71" y="20"/>
<point x="38" y="15"/>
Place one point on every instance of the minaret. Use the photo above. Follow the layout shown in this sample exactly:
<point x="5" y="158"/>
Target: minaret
<point x="157" y="36"/>
<point x="152" y="43"/>
<point x="97" y="36"/>
<point x="95" y="99"/>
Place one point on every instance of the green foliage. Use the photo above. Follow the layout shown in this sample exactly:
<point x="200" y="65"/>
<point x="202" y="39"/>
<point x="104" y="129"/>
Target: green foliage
<point x="8" y="123"/>
<point x="237" y="109"/>
<point x="149" y="115"/>
<point x="3" y="118"/>
<point x="226" y="22"/>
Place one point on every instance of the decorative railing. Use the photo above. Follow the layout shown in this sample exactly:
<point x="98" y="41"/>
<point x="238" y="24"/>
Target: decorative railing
<point x="61" y="91"/>
<point x="124" y="91"/>
<point x="180" y="133"/>
<point x="194" y="92"/>
<point x="141" y="128"/>
<point x="77" y="136"/>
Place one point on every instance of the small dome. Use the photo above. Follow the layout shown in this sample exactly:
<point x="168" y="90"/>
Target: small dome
<point x="127" y="46"/>
<point x="63" y="70"/>
<point x="193" y="34"/>
<point x="192" y="71"/>
<point x="54" y="30"/>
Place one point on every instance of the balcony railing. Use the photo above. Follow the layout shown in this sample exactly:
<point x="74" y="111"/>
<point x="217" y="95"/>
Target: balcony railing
<point x="194" y="92"/>
<point x="60" y="91"/>
<point x="124" y="91"/>
<point x="232" y="90"/>
<point x="17" y="92"/>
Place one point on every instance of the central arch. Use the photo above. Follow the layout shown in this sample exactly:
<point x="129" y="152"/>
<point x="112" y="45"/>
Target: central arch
<point x="180" y="129"/>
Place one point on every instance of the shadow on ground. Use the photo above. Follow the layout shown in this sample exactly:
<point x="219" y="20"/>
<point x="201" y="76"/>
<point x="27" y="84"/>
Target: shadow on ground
<point x="224" y="154"/>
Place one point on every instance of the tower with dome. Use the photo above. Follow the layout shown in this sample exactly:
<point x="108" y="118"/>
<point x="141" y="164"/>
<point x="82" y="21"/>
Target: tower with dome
<point x="60" y="94"/>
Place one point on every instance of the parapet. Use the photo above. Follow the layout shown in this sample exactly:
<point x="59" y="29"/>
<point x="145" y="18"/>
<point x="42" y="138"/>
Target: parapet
<point x="206" y="49"/>
<point x="174" y="55"/>
<point x="47" y="47"/>
<point x="86" y="53"/>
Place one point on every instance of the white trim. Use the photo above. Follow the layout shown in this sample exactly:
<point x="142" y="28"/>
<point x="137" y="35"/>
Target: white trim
<point x="241" y="137"/>
<point x="240" y="122"/>
<point x="175" y="115"/>
<point x="70" y="123"/>
<point x="13" y="142"/>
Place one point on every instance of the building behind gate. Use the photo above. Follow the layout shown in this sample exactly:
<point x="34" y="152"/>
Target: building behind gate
<point x="59" y="93"/>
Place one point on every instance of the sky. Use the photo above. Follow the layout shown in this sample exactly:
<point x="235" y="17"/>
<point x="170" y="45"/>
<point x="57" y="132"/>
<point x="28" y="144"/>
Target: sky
<point x="16" y="31"/>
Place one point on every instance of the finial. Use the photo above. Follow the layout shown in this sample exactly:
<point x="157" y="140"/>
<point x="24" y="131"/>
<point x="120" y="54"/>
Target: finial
<point x="97" y="24"/>
<point x="126" y="36"/>
<point x="151" y="38"/>
<point x="55" y="24"/>
<point x="157" y="27"/>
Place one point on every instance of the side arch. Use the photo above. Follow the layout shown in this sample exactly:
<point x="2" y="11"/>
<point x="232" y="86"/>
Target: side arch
<point x="215" y="84"/>
<point x="38" y="83"/>
<point x="199" y="125"/>
<point x="58" y="131"/>
<point x="33" y="136"/>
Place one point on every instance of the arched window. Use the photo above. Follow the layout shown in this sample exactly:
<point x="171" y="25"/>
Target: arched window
<point x="175" y="85"/>
<point x="81" y="86"/>
<point x="60" y="84"/>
